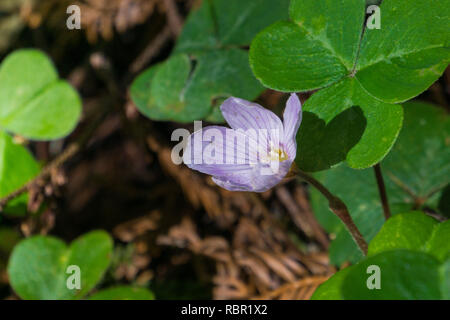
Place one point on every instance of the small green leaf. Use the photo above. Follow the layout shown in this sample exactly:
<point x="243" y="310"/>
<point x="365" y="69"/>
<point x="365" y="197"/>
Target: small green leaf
<point x="199" y="32"/>
<point x="38" y="265"/>
<point x="439" y="243"/>
<point x="139" y="92"/>
<point x="420" y="159"/>
<point x="404" y="275"/>
<point x="343" y="123"/>
<point x="208" y="64"/>
<point x="415" y="171"/>
<point x="414" y="231"/>
<point x="184" y="90"/>
<point x="316" y="48"/>
<point x="17" y="167"/>
<point x="224" y="23"/>
<point x="403" y="231"/>
<point x="169" y="82"/>
<point x="123" y="293"/>
<point x="331" y="289"/>
<point x="405" y="56"/>
<point x="34" y="103"/>
<point x="284" y="58"/>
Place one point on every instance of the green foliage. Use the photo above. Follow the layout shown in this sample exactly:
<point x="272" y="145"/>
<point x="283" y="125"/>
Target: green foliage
<point x="317" y="48"/>
<point x="412" y="253"/>
<point x="123" y="293"/>
<point x="175" y="91"/>
<point x="405" y="275"/>
<point x="343" y="123"/>
<point x="225" y="23"/>
<point x="34" y="103"/>
<point x="413" y="50"/>
<point x="17" y="166"/>
<point x="331" y="289"/>
<point x="326" y="45"/>
<point x="414" y="231"/>
<point x="208" y="64"/>
<point x="420" y="160"/>
<point x="37" y="266"/>
<point x="416" y="172"/>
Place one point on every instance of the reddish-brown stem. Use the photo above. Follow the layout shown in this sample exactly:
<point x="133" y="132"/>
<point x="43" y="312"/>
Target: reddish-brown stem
<point x="382" y="191"/>
<point x="339" y="209"/>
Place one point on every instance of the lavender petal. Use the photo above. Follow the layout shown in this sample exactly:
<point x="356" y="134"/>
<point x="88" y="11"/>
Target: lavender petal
<point x="292" y="118"/>
<point x="214" y="151"/>
<point x="251" y="117"/>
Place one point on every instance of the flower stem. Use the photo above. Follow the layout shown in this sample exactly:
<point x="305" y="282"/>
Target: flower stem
<point x="382" y="191"/>
<point x="339" y="209"/>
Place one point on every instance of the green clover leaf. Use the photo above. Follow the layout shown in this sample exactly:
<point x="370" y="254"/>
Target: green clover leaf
<point x="413" y="231"/>
<point x="326" y="45"/>
<point x="416" y="174"/>
<point x="34" y="103"/>
<point x="209" y="62"/>
<point x="38" y="265"/>
<point x="412" y="253"/>
<point x="17" y="167"/>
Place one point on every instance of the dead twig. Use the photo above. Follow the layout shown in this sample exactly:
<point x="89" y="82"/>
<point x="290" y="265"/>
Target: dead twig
<point x="151" y="50"/>
<point x="298" y="290"/>
<point x="302" y="200"/>
<point x="302" y="218"/>
<point x="68" y="153"/>
<point x="173" y="17"/>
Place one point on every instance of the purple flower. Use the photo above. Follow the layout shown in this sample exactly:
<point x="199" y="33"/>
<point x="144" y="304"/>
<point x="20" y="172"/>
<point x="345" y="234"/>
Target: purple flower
<point x="255" y="154"/>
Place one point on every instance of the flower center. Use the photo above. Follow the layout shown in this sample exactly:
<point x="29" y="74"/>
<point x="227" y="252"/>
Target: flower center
<point x="277" y="154"/>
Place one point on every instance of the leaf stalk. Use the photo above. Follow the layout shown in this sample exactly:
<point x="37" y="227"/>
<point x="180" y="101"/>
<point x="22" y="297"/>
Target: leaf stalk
<point x="339" y="209"/>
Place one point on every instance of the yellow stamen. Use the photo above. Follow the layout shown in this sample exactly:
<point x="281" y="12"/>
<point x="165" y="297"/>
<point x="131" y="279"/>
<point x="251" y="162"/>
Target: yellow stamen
<point x="282" y="155"/>
<point x="277" y="155"/>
